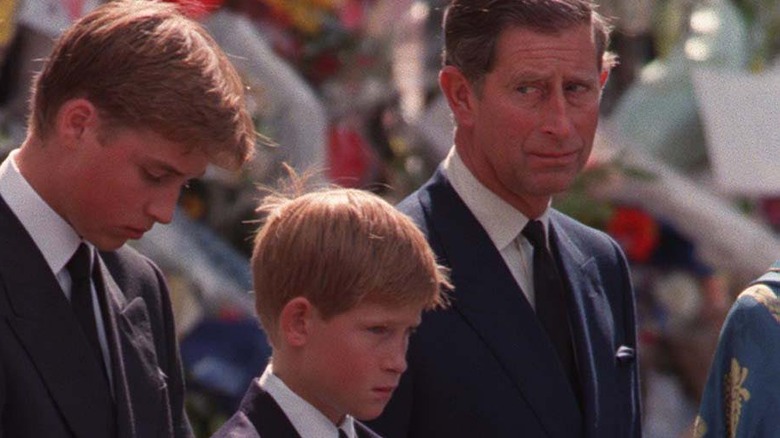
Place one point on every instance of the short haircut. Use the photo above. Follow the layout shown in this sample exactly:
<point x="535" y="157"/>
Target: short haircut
<point x="338" y="248"/>
<point x="472" y="29"/>
<point x="144" y="65"/>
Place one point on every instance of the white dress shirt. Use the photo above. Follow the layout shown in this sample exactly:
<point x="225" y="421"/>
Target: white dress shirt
<point x="53" y="236"/>
<point x="307" y="420"/>
<point x="502" y="222"/>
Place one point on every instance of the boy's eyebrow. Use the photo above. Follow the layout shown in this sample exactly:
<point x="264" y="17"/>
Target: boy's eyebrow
<point x="167" y="167"/>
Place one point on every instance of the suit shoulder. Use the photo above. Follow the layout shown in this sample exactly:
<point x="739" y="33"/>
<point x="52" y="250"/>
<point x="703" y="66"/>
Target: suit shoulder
<point x="759" y="298"/>
<point x="416" y="204"/>
<point x="128" y="260"/>
<point x="411" y="205"/>
<point x="576" y="227"/>
<point x="131" y="270"/>
<point x="584" y="235"/>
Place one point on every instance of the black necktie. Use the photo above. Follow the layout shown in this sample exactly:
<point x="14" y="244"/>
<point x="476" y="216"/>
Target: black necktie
<point x="342" y="434"/>
<point x="551" y="299"/>
<point x="81" y="297"/>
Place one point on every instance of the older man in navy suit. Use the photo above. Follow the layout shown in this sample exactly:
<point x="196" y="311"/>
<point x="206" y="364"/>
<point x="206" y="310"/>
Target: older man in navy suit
<point x="540" y="340"/>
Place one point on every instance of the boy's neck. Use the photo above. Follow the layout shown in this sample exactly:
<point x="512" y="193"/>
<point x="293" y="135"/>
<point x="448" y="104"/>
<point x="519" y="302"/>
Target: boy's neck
<point x="286" y="371"/>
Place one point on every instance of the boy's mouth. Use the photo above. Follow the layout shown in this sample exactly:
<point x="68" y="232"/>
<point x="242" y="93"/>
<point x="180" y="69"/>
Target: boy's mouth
<point x="385" y="390"/>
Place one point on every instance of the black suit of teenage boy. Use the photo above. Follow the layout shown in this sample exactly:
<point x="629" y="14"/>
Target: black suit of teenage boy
<point x="118" y="125"/>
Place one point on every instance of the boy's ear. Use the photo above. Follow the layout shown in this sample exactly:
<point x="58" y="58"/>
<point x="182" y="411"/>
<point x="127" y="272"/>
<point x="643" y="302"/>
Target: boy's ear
<point x="74" y="117"/>
<point x="295" y="321"/>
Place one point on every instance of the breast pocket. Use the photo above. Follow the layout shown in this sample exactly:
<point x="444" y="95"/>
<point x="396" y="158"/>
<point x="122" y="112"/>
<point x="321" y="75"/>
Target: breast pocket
<point x="143" y="373"/>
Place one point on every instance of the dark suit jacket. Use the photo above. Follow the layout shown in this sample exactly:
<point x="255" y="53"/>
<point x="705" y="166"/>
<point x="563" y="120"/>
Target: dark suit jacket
<point x="260" y="416"/>
<point x="49" y="381"/>
<point x="485" y="367"/>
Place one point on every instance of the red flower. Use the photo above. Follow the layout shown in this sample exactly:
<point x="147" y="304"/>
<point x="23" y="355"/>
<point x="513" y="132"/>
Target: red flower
<point x="198" y="9"/>
<point x="323" y="67"/>
<point x="350" y="157"/>
<point x="352" y="15"/>
<point x="636" y="232"/>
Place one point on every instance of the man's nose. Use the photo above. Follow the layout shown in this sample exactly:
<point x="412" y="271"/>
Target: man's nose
<point x="556" y="119"/>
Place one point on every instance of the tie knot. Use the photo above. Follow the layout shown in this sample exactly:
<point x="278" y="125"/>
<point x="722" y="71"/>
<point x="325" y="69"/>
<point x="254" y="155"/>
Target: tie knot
<point x="534" y="232"/>
<point x="79" y="264"/>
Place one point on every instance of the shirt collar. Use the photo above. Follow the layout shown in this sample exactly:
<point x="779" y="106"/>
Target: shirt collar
<point x="307" y="420"/>
<point x="53" y="236"/>
<point x="502" y="222"/>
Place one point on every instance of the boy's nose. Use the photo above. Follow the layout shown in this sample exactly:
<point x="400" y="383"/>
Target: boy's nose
<point x="162" y="206"/>
<point x="396" y="359"/>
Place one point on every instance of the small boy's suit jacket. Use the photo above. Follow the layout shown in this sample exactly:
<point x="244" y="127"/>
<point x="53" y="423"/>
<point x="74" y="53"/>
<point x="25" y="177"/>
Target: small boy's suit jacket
<point x="260" y="416"/>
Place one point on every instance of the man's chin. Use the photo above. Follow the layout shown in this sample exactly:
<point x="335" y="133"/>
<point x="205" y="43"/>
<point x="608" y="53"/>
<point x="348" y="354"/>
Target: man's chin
<point x="554" y="185"/>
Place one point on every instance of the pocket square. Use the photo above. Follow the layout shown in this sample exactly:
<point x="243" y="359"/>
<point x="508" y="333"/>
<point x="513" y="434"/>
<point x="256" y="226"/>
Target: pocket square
<point x="625" y="354"/>
<point x="163" y="378"/>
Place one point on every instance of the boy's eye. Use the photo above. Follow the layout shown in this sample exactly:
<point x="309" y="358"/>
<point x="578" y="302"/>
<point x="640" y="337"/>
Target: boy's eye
<point x="151" y="176"/>
<point x="378" y="329"/>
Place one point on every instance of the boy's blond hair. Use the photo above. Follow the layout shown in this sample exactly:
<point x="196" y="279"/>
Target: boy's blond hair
<point x="338" y="248"/>
<point x="144" y="65"/>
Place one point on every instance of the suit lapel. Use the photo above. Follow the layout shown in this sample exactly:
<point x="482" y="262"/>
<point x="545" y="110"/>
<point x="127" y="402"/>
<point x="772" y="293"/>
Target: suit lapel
<point x="505" y="321"/>
<point x="591" y="317"/>
<point x="137" y="381"/>
<point x="266" y="415"/>
<point x="362" y="431"/>
<point x="47" y="328"/>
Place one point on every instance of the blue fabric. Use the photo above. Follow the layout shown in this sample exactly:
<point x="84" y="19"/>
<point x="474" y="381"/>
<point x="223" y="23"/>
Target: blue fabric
<point x="742" y="394"/>
<point x="222" y="357"/>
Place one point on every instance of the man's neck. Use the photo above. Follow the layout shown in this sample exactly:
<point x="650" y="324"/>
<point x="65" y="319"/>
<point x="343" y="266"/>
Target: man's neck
<point x="531" y="207"/>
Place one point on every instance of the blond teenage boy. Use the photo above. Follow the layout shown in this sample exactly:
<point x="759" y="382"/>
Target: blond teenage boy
<point x="340" y="280"/>
<point x="134" y="100"/>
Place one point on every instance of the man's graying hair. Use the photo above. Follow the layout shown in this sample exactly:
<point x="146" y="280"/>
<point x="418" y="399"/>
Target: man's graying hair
<point x="472" y="29"/>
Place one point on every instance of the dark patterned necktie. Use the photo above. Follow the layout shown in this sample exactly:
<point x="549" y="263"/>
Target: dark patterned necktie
<point x="342" y="434"/>
<point x="79" y="268"/>
<point x="551" y="299"/>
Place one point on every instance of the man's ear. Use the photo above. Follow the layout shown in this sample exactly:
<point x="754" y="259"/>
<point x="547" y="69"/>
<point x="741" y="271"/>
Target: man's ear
<point x="74" y="118"/>
<point x="460" y="94"/>
<point x="295" y="321"/>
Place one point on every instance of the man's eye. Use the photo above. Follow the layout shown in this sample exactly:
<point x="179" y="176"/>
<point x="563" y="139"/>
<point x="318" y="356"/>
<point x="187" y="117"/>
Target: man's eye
<point x="526" y="89"/>
<point x="577" y="88"/>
